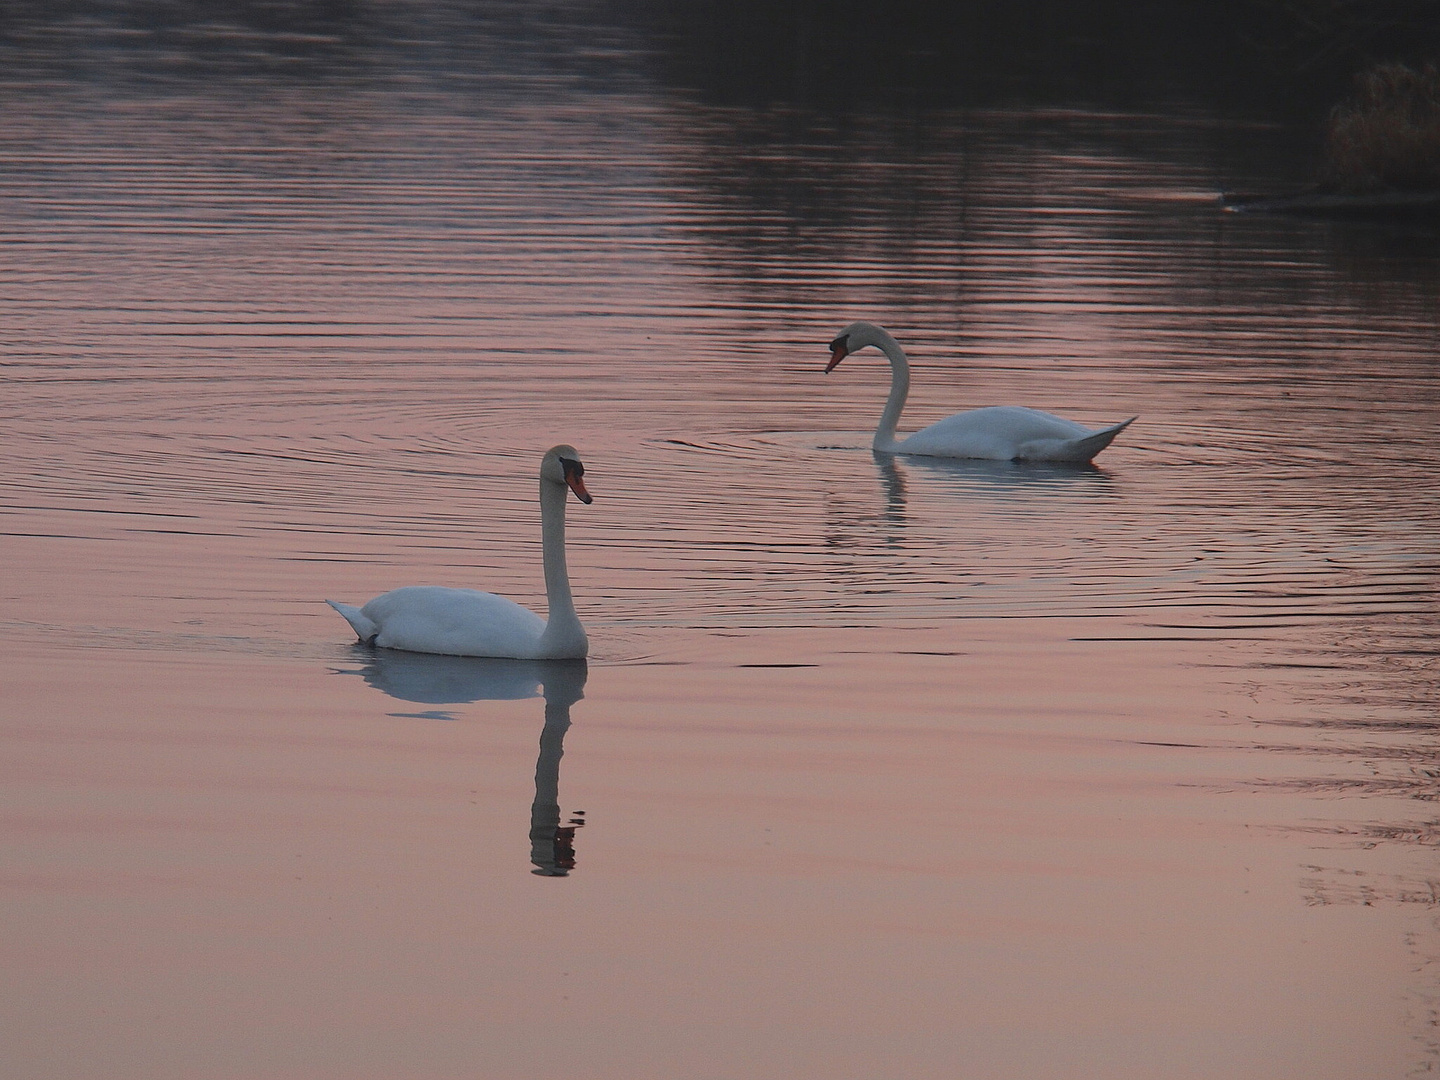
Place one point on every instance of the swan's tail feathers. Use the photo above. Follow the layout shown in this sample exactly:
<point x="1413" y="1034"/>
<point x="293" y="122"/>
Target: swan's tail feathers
<point x="1092" y="444"/>
<point x="364" y="629"/>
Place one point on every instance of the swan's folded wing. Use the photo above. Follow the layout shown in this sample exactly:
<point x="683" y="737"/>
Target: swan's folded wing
<point x="454" y="622"/>
<point x="1010" y="433"/>
<point x="995" y="433"/>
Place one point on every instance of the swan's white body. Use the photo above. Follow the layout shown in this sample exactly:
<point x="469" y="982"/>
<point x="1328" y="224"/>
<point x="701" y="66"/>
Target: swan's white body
<point x="997" y="433"/>
<point x="465" y="622"/>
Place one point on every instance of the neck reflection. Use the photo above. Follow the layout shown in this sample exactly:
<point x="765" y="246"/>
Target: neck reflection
<point x="552" y="845"/>
<point x="452" y="680"/>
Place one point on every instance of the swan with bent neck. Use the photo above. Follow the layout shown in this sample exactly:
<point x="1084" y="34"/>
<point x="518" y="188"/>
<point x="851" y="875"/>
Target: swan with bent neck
<point x="465" y="622"/>
<point x="996" y="433"/>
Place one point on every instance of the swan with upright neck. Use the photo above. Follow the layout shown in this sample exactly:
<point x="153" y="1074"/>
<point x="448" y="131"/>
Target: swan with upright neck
<point x="996" y="433"/>
<point x="465" y="622"/>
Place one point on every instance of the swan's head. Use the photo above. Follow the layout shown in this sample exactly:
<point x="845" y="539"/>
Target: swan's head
<point x="854" y="338"/>
<point x="562" y="466"/>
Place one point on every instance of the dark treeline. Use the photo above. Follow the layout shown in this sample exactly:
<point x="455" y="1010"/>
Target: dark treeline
<point x="185" y="37"/>
<point x="1274" y="54"/>
<point x="138" y="42"/>
<point x="274" y="16"/>
<point x="1278" y="53"/>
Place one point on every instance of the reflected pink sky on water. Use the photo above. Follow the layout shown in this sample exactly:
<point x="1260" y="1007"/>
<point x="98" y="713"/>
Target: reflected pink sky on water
<point x="887" y="768"/>
<point x="272" y="872"/>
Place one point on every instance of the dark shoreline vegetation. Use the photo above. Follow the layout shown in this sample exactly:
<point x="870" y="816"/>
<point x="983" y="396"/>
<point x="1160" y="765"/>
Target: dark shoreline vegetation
<point x="1386" y="136"/>
<point x="1381" y="156"/>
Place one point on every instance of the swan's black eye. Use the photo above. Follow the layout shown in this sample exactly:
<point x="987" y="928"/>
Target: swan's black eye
<point x="570" y="465"/>
<point x="842" y="342"/>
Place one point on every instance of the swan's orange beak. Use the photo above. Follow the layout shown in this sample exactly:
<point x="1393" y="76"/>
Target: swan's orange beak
<point x="574" y="472"/>
<point x="838" y="351"/>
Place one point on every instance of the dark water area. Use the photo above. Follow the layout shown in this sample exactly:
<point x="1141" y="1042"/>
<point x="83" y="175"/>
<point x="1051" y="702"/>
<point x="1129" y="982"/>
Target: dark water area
<point x="879" y="765"/>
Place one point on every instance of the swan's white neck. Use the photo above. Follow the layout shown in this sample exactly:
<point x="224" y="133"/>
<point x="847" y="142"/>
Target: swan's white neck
<point x="899" y="388"/>
<point x="563" y="636"/>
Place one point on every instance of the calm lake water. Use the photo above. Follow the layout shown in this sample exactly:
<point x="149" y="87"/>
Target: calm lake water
<point x="879" y="768"/>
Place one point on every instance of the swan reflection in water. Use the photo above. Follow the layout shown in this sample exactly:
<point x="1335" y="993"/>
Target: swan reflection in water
<point x="451" y="680"/>
<point x="994" y="479"/>
<point x="1017" y="491"/>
